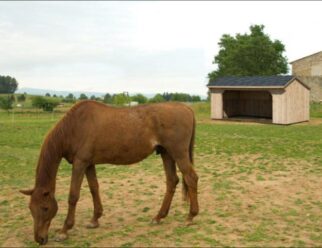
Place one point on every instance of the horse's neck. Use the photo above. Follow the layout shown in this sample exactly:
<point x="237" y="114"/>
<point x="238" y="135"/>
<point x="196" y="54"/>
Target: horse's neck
<point x="48" y="163"/>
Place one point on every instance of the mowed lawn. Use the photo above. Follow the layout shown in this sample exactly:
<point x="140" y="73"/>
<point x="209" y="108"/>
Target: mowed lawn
<point x="259" y="185"/>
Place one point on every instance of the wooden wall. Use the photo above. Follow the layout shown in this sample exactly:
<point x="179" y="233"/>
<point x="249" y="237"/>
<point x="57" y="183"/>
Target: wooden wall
<point x="247" y="103"/>
<point x="291" y="105"/>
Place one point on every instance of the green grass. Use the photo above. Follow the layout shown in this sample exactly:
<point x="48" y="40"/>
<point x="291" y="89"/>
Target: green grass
<point x="316" y="110"/>
<point x="259" y="186"/>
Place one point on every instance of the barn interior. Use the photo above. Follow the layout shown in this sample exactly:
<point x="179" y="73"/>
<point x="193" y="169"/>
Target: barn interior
<point x="244" y="104"/>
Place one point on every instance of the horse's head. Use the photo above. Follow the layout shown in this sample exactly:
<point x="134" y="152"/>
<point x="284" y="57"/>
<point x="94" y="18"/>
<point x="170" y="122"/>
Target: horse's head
<point x="43" y="207"/>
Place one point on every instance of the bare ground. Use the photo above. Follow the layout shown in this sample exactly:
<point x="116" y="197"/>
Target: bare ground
<point x="254" y="208"/>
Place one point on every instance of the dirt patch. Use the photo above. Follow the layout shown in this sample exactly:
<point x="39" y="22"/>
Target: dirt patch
<point x="12" y="242"/>
<point x="257" y="207"/>
<point x="233" y="122"/>
<point x="315" y="121"/>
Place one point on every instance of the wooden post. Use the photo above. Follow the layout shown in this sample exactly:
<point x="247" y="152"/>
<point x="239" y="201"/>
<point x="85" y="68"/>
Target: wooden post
<point x="278" y="106"/>
<point x="217" y="104"/>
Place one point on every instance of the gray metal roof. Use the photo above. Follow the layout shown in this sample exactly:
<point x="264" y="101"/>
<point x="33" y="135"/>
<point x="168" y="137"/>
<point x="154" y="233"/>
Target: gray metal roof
<point x="251" y="81"/>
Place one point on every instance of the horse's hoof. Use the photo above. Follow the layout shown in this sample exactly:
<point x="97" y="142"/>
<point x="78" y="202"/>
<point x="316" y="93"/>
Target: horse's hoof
<point x="61" y="237"/>
<point x="155" y="221"/>
<point x="92" y="224"/>
<point x="188" y="222"/>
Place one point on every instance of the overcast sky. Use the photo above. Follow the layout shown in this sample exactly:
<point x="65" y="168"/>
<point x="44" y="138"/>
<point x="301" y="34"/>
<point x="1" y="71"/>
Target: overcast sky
<point x="143" y="46"/>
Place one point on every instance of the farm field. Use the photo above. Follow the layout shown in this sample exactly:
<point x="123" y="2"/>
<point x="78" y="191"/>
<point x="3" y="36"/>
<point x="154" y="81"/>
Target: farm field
<point x="259" y="185"/>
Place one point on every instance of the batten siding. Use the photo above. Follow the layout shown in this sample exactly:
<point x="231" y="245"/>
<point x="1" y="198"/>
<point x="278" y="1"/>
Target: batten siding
<point x="298" y="105"/>
<point x="279" y="106"/>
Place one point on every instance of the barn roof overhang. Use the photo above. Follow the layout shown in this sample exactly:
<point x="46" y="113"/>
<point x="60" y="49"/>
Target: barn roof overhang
<point x="300" y="81"/>
<point x="230" y="84"/>
<point x="246" y="87"/>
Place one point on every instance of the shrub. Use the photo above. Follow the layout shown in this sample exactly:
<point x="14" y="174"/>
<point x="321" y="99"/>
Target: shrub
<point x="47" y="104"/>
<point x="6" y="102"/>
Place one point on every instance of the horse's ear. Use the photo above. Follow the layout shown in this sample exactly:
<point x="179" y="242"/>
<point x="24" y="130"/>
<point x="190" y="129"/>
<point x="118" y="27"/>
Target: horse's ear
<point x="27" y="191"/>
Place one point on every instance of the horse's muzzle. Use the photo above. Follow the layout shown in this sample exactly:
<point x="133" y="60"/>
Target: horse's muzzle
<point x="42" y="241"/>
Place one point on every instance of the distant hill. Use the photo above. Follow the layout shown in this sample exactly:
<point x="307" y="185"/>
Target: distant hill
<point x="42" y="92"/>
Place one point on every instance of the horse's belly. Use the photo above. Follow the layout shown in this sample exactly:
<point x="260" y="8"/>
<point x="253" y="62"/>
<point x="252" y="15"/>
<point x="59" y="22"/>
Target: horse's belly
<point x="123" y="155"/>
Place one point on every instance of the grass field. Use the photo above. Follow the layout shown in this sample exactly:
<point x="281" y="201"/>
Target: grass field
<point x="260" y="185"/>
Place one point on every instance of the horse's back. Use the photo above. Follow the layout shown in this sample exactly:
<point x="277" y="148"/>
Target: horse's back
<point x="157" y="115"/>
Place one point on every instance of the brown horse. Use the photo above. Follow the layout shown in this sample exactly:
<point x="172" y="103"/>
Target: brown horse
<point x="92" y="133"/>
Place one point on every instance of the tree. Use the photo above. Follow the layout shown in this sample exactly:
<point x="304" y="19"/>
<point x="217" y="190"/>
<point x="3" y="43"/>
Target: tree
<point x="208" y="95"/>
<point x="8" y="84"/>
<point x="93" y="97"/>
<point x="21" y="98"/>
<point x="47" y="94"/>
<point x="157" y="98"/>
<point x="181" y="97"/>
<point x="83" y="97"/>
<point x="108" y="98"/>
<point x="167" y="96"/>
<point x="37" y="101"/>
<point x="12" y="97"/>
<point x="47" y="104"/>
<point x="6" y="102"/>
<point x="140" y="98"/>
<point x="70" y="98"/>
<point x="195" y="98"/>
<point x="120" y="99"/>
<point x="249" y="55"/>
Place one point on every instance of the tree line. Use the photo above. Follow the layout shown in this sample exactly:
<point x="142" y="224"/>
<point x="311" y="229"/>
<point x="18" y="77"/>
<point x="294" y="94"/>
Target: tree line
<point x="125" y="98"/>
<point x="49" y="102"/>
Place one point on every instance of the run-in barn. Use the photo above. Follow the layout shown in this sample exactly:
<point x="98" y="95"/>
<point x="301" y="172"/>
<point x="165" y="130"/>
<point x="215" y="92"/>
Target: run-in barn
<point x="281" y="99"/>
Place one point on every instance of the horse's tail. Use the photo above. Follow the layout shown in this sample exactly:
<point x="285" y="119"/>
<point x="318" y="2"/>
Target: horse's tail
<point x="185" y="195"/>
<point x="192" y="140"/>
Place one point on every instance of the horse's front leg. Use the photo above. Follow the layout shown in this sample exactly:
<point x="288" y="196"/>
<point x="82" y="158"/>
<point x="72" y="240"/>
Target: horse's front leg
<point x="75" y="185"/>
<point x="93" y="186"/>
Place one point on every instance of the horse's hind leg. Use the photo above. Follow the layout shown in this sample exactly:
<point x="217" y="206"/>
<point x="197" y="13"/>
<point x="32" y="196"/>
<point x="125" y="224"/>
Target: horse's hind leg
<point x="172" y="181"/>
<point x="191" y="179"/>
<point x="93" y="186"/>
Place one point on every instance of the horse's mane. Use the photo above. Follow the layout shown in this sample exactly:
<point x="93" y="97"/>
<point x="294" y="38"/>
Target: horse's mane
<point x="52" y="148"/>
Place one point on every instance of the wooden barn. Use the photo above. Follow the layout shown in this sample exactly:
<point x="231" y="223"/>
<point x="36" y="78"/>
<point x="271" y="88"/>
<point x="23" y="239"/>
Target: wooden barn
<point x="279" y="99"/>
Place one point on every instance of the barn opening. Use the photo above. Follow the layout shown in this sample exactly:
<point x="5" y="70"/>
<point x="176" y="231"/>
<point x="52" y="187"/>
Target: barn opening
<point x="247" y="104"/>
